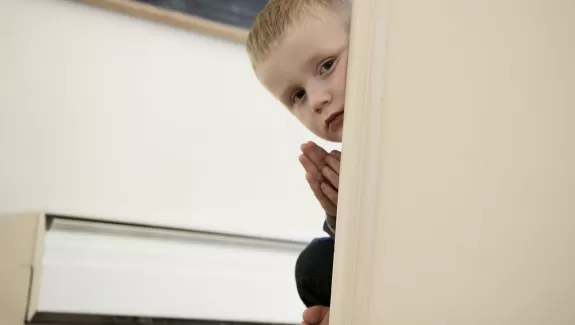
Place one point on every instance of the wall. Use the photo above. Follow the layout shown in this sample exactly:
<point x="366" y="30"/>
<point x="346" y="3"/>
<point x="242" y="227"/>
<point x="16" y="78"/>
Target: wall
<point x="112" y="116"/>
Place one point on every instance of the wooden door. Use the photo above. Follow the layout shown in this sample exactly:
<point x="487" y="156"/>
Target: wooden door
<point x="457" y="197"/>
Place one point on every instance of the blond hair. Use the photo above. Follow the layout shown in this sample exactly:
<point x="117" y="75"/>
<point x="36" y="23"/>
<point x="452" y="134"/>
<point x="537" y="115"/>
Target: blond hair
<point x="272" y="22"/>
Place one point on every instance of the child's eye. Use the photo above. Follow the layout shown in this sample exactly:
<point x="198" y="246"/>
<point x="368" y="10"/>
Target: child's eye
<point x="327" y="66"/>
<point x="297" y="96"/>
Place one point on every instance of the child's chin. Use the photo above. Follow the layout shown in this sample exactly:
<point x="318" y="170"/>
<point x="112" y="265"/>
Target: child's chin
<point x="339" y="134"/>
<point x="335" y="137"/>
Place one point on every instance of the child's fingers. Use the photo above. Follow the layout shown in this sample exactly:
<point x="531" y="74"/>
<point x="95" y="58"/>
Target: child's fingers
<point x="310" y="167"/>
<point x="315" y="185"/>
<point x="314" y="161"/>
<point x="315" y="146"/>
<point x="325" y="202"/>
<point x="329" y="192"/>
<point x="307" y="163"/>
<point x="315" y="153"/>
<point x="333" y="162"/>
<point x="328" y="206"/>
<point x="336" y="154"/>
<point x="331" y="176"/>
<point x="312" y="146"/>
<point x="319" y="193"/>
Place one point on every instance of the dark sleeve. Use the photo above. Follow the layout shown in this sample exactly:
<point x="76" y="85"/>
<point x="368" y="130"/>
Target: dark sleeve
<point x="329" y="225"/>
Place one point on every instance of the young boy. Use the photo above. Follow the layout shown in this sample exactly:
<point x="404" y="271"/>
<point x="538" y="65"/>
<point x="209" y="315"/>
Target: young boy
<point x="298" y="50"/>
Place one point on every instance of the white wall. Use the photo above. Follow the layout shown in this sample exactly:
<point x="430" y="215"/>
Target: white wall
<point x="107" y="115"/>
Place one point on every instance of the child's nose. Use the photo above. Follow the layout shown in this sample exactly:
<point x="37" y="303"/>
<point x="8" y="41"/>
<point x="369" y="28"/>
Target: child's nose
<point x="319" y="100"/>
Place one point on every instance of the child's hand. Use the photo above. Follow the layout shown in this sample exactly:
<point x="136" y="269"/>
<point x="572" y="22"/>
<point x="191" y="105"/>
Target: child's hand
<point x="322" y="174"/>
<point x="316" y="315"/>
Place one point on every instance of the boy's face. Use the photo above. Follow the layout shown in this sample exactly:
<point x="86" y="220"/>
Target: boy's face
<point x="307" y="73"/>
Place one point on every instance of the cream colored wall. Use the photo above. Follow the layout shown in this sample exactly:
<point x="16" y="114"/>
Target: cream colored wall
<point x="457" y="198"/>
<point x="112" y="116"/>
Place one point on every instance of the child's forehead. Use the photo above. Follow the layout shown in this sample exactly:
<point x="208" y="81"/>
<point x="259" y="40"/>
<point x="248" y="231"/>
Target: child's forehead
<point x="312" y="35"/>
<point x="305" y="43"/>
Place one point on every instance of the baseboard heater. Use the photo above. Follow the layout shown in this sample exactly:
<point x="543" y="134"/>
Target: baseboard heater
<point x="68" y="270"/>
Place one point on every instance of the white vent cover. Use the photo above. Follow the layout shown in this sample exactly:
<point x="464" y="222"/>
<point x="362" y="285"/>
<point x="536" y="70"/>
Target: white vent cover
<point x="94" y="268"/>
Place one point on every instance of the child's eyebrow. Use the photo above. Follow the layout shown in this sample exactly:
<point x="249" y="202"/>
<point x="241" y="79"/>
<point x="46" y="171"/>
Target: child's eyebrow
<point x="330" y="50"/>
<point x="314" y="58"/>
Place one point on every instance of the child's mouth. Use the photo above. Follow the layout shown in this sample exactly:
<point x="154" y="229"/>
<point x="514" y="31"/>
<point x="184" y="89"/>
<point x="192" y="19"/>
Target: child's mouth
<point x="335" y="121"/>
